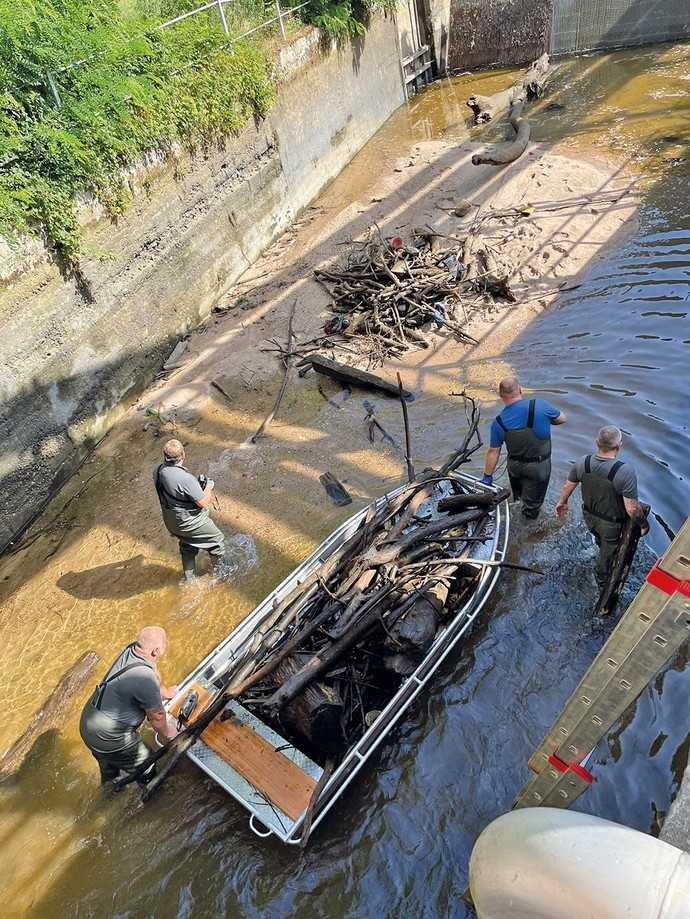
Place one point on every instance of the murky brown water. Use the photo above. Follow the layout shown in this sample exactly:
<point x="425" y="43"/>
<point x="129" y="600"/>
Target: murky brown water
<point x="616" y="348"/>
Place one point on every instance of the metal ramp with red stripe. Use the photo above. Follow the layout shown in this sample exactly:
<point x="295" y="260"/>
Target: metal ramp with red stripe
<point x="652" y="629"/>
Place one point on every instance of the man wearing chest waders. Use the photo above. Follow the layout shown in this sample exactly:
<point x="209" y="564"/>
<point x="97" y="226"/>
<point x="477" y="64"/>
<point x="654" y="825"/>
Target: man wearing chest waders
<point x="609" y="495"/>
<point x="184" y="502"/>
<point x="524" y="426"/>
<point x="130" y="692"/>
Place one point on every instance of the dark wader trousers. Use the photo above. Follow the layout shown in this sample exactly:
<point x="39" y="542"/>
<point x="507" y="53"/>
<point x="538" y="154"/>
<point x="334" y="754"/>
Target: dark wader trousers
<point x="195" y="531"/>
<point x="529" y="463"/>
<point x="606" y="535"/>
<point x="125" y="760"/>
<point x="529" y="482"/>
<point x="604" y="512"/>
<point x="115" y="746"/>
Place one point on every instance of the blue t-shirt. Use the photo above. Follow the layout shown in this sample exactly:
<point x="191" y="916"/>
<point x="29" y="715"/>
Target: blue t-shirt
<point x="515" y="416"/>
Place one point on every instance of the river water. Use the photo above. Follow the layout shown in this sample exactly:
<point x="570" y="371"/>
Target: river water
<point x="614" y="349"/>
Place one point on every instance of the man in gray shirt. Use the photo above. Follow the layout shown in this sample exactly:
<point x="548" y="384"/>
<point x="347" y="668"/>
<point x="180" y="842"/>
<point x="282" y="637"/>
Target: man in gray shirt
<point x="609" y="495"/>
<point x="130" y="692"/>
<point x="184" y="503"/>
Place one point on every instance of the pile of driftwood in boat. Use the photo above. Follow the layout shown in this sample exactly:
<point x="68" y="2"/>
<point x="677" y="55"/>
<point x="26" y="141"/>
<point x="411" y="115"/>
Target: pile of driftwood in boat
<point x="395" y="293"/>
<point x="334" y="649"/>
<point x="338" y="648"/>
<point x="530" y="86"/>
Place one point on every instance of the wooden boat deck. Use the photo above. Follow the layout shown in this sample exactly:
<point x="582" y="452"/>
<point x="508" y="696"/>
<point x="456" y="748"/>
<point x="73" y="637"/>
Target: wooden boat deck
<point x="255" y="759"/>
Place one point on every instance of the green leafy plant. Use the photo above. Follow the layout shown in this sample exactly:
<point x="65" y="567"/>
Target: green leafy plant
<point x="86" y="86"/>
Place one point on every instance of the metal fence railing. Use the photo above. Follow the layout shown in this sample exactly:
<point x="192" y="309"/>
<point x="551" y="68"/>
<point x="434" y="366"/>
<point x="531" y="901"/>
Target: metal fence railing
<point x="282" y="14"/>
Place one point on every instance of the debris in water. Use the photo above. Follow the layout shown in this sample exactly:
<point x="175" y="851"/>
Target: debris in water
<point x="335" y="490"/>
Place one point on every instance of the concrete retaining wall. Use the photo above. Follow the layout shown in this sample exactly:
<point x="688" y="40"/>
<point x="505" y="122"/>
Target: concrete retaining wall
<point x="485" y="33"/>
<point x="73" y="349"/>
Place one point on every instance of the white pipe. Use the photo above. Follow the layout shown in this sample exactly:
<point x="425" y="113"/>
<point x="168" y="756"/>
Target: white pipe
<point x="546" y="863"/>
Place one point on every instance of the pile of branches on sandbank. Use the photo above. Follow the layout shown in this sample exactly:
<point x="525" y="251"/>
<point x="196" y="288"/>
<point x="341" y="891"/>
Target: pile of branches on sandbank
<point x="395" y="293"/>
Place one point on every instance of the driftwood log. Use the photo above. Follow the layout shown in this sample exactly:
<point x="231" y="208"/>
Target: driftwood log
<point x="485" y="108"/>
<point x="456" y="503"/>
<point x="528" y="87"/>
<point x="502" y="154"/>
<point x="316" y="713"/>
<point x="53" y="711"/>
<point x="354" y="377"/>
<point x="621" y="563"/>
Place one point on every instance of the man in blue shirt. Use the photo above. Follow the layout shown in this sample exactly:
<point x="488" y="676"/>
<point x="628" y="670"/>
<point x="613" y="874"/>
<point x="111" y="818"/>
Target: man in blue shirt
<point x="524" y="426"/>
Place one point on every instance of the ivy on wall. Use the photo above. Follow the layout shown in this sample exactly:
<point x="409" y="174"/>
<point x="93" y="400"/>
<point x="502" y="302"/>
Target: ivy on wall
<point x="68" y="129"/>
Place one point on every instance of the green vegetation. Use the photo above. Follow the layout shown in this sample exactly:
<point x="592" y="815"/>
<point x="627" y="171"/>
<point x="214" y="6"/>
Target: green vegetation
<point x="138" y="87"/>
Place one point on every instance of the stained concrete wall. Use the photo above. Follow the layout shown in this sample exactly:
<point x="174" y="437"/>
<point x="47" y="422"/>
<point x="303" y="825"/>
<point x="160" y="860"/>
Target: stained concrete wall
<point x="74" y="348"/>
<point x="582" y="25"/>
<point x="485" y="33"/>
<point x="471" y="34"/>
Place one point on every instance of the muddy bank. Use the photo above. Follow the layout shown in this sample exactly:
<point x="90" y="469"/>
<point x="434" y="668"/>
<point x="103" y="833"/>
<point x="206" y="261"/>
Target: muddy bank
<point x="103" y="565"/>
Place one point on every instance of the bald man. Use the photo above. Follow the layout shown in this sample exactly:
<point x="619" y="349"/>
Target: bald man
<point x="524" y="426"/>
<point x="184" y="501"/>
<point x="130" y="693"/>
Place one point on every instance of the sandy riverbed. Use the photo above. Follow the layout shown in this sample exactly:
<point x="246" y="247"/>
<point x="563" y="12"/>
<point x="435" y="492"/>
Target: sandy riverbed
<point x="104" y="564"/>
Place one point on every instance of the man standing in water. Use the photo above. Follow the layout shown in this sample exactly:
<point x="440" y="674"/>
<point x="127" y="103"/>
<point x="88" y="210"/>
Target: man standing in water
<point x="524" y="425"/>
<point x="184" y="505"/>
<point x="609" y="495"/>
<point x="130" y="692"/>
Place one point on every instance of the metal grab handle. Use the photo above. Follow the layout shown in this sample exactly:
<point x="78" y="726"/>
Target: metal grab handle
<point x="253" y="828"/>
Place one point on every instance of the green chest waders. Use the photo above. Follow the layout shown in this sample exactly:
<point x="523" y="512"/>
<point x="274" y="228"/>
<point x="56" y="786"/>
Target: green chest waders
<point x="604" y="512"/>
<point x="192" y="527"/>
<point x="114" y="745"/>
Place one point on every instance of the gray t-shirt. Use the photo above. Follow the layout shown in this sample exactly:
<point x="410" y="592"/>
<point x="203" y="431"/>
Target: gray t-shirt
<point x="624" y="481"/>
<point x="178" y="486"/>
<point x="126" y="698"/>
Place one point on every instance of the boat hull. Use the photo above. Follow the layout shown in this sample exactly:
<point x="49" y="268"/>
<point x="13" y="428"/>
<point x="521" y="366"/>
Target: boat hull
<point x="265" y="817"/>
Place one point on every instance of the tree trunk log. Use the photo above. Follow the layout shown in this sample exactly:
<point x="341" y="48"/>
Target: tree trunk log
<point x="502" y="154"/>
<point x="316" y="712"/>
<point x="456" y="503"/>
<point x="53" y="711"/>
<point x="485" y="108"/>
<point x="530" y="86"/>
<point x="354" y="377"/>
<point x="537" y="76"/>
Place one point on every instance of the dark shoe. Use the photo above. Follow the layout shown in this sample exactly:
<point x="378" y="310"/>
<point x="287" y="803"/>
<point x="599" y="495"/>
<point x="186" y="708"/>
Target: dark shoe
<point x="530" y="513"/>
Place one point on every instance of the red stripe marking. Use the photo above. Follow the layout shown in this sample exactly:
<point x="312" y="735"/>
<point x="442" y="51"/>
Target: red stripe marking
<point x="579" y="770"/>
<point x="665" y="582"/>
